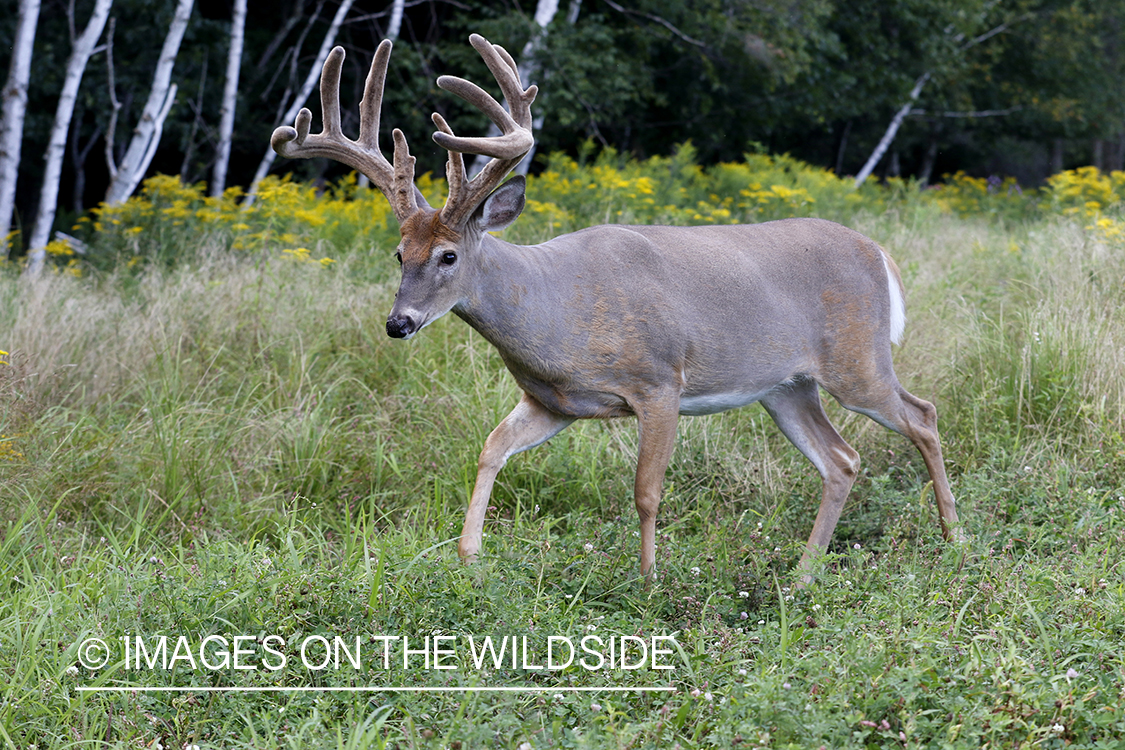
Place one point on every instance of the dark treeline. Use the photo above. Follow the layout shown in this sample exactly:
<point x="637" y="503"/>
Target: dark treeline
<point x="1020" y="87"/>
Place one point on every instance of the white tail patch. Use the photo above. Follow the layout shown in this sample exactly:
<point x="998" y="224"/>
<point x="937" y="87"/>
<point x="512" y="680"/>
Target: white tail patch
<point x="898" y="303"/>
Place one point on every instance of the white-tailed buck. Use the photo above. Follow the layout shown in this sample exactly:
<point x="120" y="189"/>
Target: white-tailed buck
<point x="644" y="321"/>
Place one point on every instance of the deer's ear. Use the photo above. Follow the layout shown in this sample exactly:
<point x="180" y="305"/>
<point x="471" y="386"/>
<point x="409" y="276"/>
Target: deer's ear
<point x="503" y="206"/>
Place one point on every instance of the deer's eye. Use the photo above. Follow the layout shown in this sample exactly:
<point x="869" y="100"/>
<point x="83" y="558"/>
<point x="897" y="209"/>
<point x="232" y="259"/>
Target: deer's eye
<point x="398" y="257"/>
<point x="449" y="258"/>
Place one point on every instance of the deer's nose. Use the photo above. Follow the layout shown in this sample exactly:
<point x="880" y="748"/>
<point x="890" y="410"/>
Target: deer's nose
<point x="400" y="326"/>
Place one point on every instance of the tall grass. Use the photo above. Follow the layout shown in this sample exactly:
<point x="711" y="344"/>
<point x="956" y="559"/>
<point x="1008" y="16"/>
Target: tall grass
<point x="221" y="439"/>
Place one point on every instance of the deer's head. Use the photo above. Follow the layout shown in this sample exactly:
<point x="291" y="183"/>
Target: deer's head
<point x="440" y="248"/>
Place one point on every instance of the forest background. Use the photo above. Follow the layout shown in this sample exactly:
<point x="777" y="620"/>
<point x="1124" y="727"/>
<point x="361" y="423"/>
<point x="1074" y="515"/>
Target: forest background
<point x="1024" y="88"/>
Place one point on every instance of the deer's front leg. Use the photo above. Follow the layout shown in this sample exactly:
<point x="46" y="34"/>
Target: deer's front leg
<point x="527" y="426"/>
<point x="657" y="423"/>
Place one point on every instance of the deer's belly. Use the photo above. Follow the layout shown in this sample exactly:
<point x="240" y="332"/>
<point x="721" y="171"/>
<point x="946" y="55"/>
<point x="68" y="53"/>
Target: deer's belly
<point x="713" y="403"/>
<point x="576" y="402"/>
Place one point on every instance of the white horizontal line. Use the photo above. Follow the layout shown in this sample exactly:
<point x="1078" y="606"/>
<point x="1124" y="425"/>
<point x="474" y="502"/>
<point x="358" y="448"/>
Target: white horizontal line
<point x="368" y="689"/>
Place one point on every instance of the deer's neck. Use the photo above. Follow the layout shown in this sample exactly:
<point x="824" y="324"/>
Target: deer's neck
<point x="517" y="298"/>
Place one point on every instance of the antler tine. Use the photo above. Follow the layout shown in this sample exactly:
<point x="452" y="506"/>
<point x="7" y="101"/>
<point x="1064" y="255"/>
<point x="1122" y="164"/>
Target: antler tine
<point x="509" y="80"/>
<point x="506" y="149"/>
<point x="455" y="166"/>
<point x="330" y="93"/>
<point x="371" y="107"/>
<point x="395" y="181"/>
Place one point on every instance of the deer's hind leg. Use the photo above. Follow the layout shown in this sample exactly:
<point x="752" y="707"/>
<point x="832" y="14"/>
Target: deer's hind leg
<point x="797" y="410"/>
<point x="897" y="409"/>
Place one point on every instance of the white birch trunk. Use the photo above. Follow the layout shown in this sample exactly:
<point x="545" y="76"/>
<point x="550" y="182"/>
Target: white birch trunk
<point x="14" y="102"/>
<point x="146" y="136"/>
<point x="56" y="145"/>
<point x="302" y="95"/>
<point x="395" y="24"/>
<point x="230" y="99"/>
<point x="892" y="130"/>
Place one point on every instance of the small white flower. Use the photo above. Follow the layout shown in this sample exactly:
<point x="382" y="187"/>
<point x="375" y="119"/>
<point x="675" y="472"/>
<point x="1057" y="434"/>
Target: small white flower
<point x="1058" y="729"/>
<point x="744" y="594"/>
<point x="589" y="547"/>
<point x="761" y="622"/>
<point x="1027" y="469"/>
<point x="786" y="685"/>
<point x="742" y="672"/>
<point x="1079" y="591"/>
<point x="559" y="696"/>
<point x="816" y="606"/>
<point x="708" y="697"/>
<point x="695" y="572"/>
<point x="595" y="707"/>
<point x="856" y="546"/>
<point x="695" y="693"/>
<point x="1071" y="673"/>
<point x="591" y="627"/>
<point x="72" y="670"/>
<point x="524" y="746"/>
<point x="743" y="615"/>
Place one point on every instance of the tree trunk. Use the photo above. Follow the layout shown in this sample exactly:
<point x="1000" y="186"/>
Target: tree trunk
<point x="14" y="101"/>
<point x="56" y="145"/>
<point x="1057" y="147"/>
<point x="1098" y="159"/>
<point x="395" y="24"/>
<point x="230" y="99"/>
<point x="186" y="175"/>
<point x="146" y="136"/>
<point x="78" y="155"/>
<point x="928" y="162"/>
<point x="1117" y="155"/>
<point x="892" y="130"/>
<point x="843" y="147"/>
<point x="302" y="95"/>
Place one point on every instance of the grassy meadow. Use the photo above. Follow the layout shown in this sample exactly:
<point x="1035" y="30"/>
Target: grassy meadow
<point x="205" y="432"/>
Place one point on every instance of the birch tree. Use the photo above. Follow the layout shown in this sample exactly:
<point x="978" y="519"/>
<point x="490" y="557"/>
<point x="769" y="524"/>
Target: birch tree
<point x="14" y="100"/>
<point x="125" y="177"/>
<point x="230" y="98"/>
<point x="395" y="23"/>
<point x="302" y="95"/>
<point x="81" y="50"/>
<point x="956" y="58"/>
<point x="892" y="130"/>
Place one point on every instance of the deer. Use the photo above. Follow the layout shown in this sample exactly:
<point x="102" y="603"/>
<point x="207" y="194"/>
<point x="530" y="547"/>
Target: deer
<point x="651" y="322"/>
